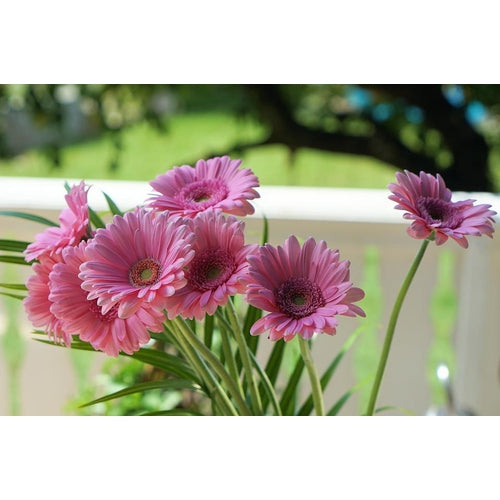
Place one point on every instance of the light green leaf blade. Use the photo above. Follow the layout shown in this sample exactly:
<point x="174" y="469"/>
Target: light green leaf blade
<point x="169" y="384"/>
<point x="13" y="245"/>
<point x="112" y="205"/>
<point x="14" y="259"/>
<point x="329" y="372"/>
<point x="13" y="286"/>
<point x="31" y="217"/>
<point x="96" y="221"/>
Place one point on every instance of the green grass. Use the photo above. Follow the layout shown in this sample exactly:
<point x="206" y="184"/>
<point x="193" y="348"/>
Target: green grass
<point x="147" y="153"/>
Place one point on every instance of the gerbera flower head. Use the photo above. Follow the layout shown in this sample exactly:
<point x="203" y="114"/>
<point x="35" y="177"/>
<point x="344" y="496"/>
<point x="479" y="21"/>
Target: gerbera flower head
<point x="303" y="288"/>
<point x="137" y="260"/>
<point x="83" y="317"/>
<point x="218" y="265"/>
<point x="74" y="224"/>
<point x="37" y="304"/>
<point x="427" y="202"/>
<point x="217" y="183"/>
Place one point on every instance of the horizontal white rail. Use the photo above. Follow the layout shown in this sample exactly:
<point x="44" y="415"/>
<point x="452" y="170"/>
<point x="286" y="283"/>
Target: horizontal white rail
<point x="276" y="202"/>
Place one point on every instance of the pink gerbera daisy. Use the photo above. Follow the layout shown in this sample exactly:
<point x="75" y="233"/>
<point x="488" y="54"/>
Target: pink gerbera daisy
<point x="217" y="183"/>
<point x="137" y="260"/>
<point x="302" y="288"/>
<point x="427" y="202"/>
<point x="37" y="304"/>
<point x="83" y="317"/>
<point x="74" y="226"/>
<point x="218" y="265"/>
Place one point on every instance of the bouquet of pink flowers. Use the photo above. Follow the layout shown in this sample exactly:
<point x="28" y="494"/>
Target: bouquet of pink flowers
<point x="173" y="284"/>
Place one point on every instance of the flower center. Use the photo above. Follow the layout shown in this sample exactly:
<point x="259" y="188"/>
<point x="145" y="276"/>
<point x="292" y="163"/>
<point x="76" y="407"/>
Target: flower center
<point x="210" y="268"/>
<point x="145" y="272"/>
<point x="299" y="297"/>
<point x="111" y="315"/>
<point x="439" y="212"/>
<point x="203" y="194"/>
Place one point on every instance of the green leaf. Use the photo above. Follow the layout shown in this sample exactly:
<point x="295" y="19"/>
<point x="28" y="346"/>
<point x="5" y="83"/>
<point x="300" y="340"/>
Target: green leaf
<point x="307" y="407"/>
<point x="31" y="217"/>
<point x="288" y="398"/>
<point x="208" y="330"/>
<point x="265" y="387"/>
<point x="397" y="408"/>
<point x="174" y="412"/>
<point x="13" y="245"/>
<point x="112" y="205"/>
<point x="251" y="316"/>
<point x="170" y="384"/>
<point x="274" y="362"/>
<point x="13" y="286"/>
<point x="265" y="231"/>
<point x="96" y="221"/>
<point x="164" y="361"/>
<point x="13" y="295"/>
<point x="14" y="259"/>
<point x="334" y="410"/>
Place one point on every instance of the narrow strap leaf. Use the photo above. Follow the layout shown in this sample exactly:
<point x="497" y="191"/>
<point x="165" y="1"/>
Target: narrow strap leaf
<point x="167" y="362"/>
<point x="96" y="221"/>
<point x="334" y="410"/>
<point x="287" y="399"/>
<point x="265" y="387"/>
<point x="31" y="217"/>
<point x="13" y="245"/>
<point x="112" y="205"/>
<point x="13" y="295"/>
<point x="173" y="413"/>
<point x="397" y="408"/>
<point x="265" y="231"/>
<point x="170" y="384"/>
<point x="14" y="259"/>
<point x="251" y="316"/>
<point x="274" y="361"/>
<point x="307" y="407"/>
<point x="13" y="286"/>
<point x="208" y="330"/>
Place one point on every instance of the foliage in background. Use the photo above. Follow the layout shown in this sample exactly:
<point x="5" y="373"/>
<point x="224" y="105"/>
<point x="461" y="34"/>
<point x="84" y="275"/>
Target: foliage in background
<point x="367" y="348"/>
<point x="452" y="129"/>
<point x="12" y="343"/>
<point x="443" y="312"/>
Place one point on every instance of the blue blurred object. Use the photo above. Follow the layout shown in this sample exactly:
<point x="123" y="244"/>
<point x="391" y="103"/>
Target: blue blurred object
<point x="454" y="95"/>
<point x="476" y="112"/>
<point x="358" y="97"/>
<point x="414" y="114"/>
<point x="382" y="112"/>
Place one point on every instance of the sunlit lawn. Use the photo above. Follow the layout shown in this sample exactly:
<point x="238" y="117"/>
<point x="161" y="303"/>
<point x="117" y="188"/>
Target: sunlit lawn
<point x="147" y="153"/>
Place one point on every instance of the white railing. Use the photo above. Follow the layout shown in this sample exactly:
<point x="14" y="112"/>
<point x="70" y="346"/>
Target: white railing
<point x="349" y="219"/>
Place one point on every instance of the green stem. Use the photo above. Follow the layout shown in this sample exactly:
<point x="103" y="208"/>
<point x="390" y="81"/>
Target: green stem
<point x="215" y="364"/>
<point x="317" y="392"/>
<point x="245" y="358"/>
<point x="229" y="357"/>
<point x="215" y="389"/>
<point x="392" y="326"/>
<point x="208" y="330"/>
<point x="267" y="385"/>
